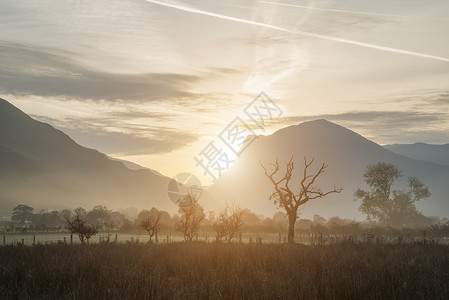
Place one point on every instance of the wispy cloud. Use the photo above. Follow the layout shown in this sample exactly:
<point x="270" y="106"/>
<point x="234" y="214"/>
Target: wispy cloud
<point x="303" y="33"/>
<point x="46" y="72"/>
<point x="338" y="10"/>
<point x="133" y="140"/>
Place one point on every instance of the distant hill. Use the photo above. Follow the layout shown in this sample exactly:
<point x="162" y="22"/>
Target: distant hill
<point x="134" y="166"/>
<point x="347" y="154"/>
<point x="42" y="167"/>
<point x="438" y="154"/>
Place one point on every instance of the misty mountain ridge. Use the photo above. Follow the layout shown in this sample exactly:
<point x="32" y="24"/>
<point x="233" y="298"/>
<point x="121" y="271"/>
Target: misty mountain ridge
<point x="347" y="155"/>
<point x="438" y="154"/>
<point x="45" y="168"/>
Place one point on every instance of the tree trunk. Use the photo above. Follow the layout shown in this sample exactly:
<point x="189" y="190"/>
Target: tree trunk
<point x="291" y="227"/>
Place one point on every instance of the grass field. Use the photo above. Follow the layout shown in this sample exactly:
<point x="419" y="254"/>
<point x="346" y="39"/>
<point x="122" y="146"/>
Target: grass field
<point x="224" y="271"/>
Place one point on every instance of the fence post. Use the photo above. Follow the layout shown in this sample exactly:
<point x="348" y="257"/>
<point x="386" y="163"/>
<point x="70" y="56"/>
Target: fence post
<point x="65" y="240"/>
<point x="71" y="238"/>
<point x="116" y="238"/>
<point x="4" y="240"/>
<point x="34" y="239"/>
<point x="23" y="241"/>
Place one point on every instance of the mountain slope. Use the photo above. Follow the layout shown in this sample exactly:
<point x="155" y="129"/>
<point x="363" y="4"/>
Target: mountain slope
<point x="438" y="154"/>
<point x="347" y="155"/>
<point x="44" y="168"/>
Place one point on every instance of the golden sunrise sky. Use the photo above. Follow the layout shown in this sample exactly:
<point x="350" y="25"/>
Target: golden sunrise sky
<point x="153" y="82"/>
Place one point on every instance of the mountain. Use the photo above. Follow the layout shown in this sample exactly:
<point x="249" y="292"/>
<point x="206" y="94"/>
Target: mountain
<point x="42" y="167"/>
<point x="134" y="166"/>
<point x="347" y="155"/>
<point x="438" y="154"/>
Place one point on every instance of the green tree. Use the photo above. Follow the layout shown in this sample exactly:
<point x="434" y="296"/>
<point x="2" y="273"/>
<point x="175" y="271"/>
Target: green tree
<point x="385" y="205"/>
<point x="22" y="214"/>
<point x="289" y="196"/>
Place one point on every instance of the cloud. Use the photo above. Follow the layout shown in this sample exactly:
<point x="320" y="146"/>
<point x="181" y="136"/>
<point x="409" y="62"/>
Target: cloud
<point x="52" y="73"/>
<point x="336" y="10"/>
<point x="299" y="32"/>
<point x="135" y="141"/>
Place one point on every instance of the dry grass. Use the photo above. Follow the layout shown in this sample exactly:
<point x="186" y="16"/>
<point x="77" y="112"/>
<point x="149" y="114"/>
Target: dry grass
<point x="228" y="271"/>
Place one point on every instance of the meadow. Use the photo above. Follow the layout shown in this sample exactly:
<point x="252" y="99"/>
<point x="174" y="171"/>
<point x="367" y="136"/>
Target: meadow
<point x="199" y="270"/>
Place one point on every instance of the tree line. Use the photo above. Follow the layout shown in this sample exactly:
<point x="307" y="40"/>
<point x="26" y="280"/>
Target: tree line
<point x="382" y="205"/>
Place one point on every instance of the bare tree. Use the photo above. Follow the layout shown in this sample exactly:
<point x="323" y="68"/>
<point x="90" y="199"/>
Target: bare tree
<point x="192" y="214"/>
<point x="151" y="222"/>
<point x="228" y="223"/>
<point x="289" y="197"/>
<point x="76" y="223"/>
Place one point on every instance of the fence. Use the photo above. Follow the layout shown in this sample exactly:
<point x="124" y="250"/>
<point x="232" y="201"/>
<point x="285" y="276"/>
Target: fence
<point x="248" y="238"/>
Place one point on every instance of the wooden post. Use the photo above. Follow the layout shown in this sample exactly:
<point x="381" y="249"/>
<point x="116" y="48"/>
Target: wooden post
<point x="34" y="239"/>
<point x="279" y="237"/>
<point x="23" y="241"/>
<point x="116" y="239"/>
<point x="99" y="239"/>
<point x="65" y="241"/>
<point x="240" y="237"/>
<point x="71" y="238"/>
<point x="4" y="240"/>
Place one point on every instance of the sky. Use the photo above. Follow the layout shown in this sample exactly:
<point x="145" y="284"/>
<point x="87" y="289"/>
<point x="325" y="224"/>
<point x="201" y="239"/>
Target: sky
<point x="155" y="82"/>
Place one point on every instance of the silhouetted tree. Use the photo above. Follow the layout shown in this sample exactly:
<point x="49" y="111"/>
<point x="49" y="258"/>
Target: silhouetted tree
<point x="100" y="216"/>
<point x="45" y="219"/>
<point x="191" y="216"/>
<point x="290" y="197"/>
<point x="76" y="223"/>
<point x="22" y="214"/>
<point x="384" y="205"/>
<point x="251" y="222"/>
<point x="229" y="222"/>
<point x="151" y="222"/>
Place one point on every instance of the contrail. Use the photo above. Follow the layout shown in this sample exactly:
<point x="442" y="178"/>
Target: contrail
<point x="338" y="10"/>
<point x="303" y="33"/>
